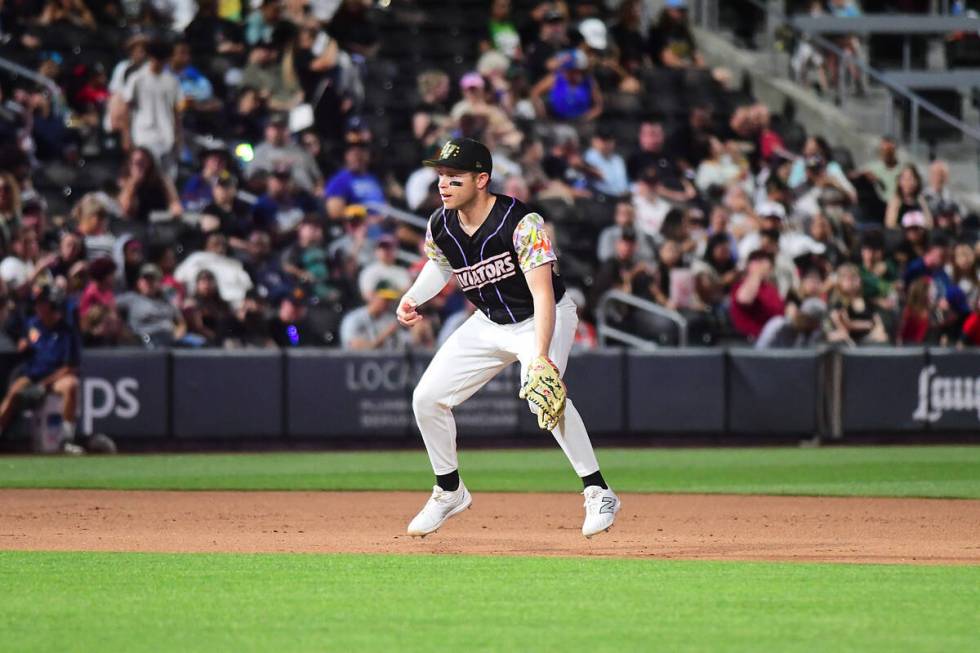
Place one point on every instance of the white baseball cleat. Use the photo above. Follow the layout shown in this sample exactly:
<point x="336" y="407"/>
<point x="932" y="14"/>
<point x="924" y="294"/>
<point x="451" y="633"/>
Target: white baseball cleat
<point x="441" y="506"/>
<point x="601" y="507"/>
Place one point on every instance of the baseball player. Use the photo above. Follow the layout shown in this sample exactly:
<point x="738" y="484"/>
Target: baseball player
<point x="505" y="264"/>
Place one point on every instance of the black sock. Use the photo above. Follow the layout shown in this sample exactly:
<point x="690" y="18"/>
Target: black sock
<point x="448" y="482"/>
<point x="595" y="478"/>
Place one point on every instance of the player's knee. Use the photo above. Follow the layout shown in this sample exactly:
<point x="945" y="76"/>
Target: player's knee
<point x="425" y="398"/>
<point x="67" y="384"/>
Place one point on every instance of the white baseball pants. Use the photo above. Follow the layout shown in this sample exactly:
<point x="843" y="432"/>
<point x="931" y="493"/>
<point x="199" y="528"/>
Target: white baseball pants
<point x="473" y="355"/>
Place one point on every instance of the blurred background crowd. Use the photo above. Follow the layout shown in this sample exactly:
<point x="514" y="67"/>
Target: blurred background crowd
<point x="246" y="173"/>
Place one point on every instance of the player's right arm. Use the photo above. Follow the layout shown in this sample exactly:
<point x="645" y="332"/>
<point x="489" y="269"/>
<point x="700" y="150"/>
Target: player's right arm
<point x="433" y="277"/>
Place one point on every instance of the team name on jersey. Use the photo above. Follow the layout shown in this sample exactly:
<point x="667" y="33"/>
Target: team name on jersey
<point x="489" y="270"/>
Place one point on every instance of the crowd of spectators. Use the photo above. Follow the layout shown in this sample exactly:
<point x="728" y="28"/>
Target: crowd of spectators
<point x="251" y="160"/>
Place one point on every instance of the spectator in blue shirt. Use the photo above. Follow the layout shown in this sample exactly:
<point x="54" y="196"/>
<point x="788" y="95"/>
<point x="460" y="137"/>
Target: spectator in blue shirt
<point x="603" y="157"/>
<point x="52" y="349"/>
<point x="353" y="184"/>
<point x="931" y="264"/>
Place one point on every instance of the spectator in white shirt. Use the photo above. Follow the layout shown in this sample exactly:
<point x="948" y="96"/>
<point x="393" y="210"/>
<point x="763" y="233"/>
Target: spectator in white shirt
<point x="153" y="98"/>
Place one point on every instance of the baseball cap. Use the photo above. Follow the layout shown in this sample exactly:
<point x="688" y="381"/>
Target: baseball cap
<point x="472" y="80"/>
<point x="913" y="219"/>
<point x="386" y="240"/>
<point x="279" y="119"/>
<point x="554" y="16"/>
<point x="676" y="4"/>
<point x="226" y="179"/>
<point x="593" y="31"/>
<point x="385" y="290"/>
<point x="463" y="154"/>
<point x="48" y="294"/>
<point x="771" y="209"/>
<point x="575" y="60"/>
<point x="813" y="308"/>
<point x="151" y="270"/>
<point x="355" y="212"/>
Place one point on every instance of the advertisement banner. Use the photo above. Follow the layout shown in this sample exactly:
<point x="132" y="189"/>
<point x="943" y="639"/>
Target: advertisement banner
<point x="676" y="391"/>
<point x="125" y="392"/>
<point x="773" y="391"/>
<point x="949" y="391"/>
<point x="221" y="393"/>
<point x="882" y="390"/>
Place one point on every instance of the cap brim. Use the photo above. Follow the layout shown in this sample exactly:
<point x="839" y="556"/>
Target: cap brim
<point x="435" y="163"/>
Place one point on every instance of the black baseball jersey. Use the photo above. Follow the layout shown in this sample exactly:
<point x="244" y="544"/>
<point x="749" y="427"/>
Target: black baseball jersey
<point x="490" y="265"/>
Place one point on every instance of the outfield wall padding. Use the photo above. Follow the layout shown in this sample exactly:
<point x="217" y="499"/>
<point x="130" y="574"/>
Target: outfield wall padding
<point x="220" y="393"/>
<point x="356" y="396"/>
<point x="676" y="391"/>
<point x="773" y="391"/>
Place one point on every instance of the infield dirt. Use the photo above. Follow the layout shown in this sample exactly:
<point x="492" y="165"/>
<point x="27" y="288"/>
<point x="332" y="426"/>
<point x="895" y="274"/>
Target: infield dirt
<point x="715" y="527"/>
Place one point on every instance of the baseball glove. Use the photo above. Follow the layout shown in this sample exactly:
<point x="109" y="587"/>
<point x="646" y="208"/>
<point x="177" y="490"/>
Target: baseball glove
<point x="544" y="390"/>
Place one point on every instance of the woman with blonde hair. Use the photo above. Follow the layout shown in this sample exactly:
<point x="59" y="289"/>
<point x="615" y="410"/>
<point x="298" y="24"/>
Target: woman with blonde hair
<point x="9" y="208"/>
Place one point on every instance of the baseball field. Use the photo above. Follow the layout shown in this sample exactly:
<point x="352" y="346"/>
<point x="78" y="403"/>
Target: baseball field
<point x="831" y="549"/>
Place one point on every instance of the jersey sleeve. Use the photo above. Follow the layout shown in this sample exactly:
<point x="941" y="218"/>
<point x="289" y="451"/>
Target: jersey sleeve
<point x="532" y="244"/>
<point x="434" y="252"/>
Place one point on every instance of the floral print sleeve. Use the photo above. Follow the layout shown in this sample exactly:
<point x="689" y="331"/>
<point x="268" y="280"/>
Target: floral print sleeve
<point x="433" y="251"/>
<point x="532" y="243"/>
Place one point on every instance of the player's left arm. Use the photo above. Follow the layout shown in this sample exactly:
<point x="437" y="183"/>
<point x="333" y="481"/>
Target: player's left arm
<point x="539" y="282"/>
<point x="535" y="256"/>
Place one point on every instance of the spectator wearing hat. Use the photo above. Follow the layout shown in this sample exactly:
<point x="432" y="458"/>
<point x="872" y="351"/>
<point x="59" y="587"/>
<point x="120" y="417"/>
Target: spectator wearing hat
<point x="196" y="193"/>
<point x="153" y="319"/>
<point x="306" y="260"/>
<point x="915" y="238"/>
<point x="602" y="156"/>
<point x="542" y="54"/>
<point x="289" y="327"/>
<point x="604" y="58"/>
<point x="278" y="150"/>
<point x="354" y="183"/>
<point x="755" y="299"/>
<point x="572" y="92"/>
<point x="803" y="329"/>
<point x="908" y="198"/>
<point x="52" y="352"/>
<point x="153" y="98"/>
<point x="384" y="269"/>
<point x="672" y="44"/>
<point x="283" y="205"/>
<point x="232" y="280"/>
<point x="353" y="250"/>
<point x="198" y="93"/>
<point x="373" y="326"/>
<point x="233" y="214"/>
<point x="265" y="268"/>
<point x="251" y="327"/>
<point x="474" y="103"/>
<point x="135" y="47"/>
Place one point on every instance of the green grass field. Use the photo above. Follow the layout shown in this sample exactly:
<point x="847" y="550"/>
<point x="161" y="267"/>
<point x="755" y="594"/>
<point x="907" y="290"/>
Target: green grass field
<point x="148" y="602"/>
<point x="110" y="602"/>
<point x="842" y="471"/>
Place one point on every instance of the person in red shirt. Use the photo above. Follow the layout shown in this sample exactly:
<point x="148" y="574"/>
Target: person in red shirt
<point x="755" y="298"/>
<point x="971" y="327"/>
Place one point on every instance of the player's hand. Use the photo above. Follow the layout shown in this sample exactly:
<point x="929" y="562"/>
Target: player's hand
<point x="406" y="312"/>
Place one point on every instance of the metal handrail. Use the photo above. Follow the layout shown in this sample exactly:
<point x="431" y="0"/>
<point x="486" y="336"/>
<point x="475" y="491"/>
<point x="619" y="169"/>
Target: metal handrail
<point x="916" y="100"/>
<point x="604" y="331"/>
<point x="56" y="95"/>
<point x="390" y="211"/>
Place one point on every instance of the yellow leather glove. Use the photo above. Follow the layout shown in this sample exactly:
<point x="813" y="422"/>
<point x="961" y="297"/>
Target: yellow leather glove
<point x="544" y="389"/>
